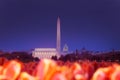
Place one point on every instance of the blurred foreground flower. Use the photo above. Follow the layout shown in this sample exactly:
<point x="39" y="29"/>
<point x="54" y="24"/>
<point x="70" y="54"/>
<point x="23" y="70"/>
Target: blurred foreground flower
<point x="50" y="70"/>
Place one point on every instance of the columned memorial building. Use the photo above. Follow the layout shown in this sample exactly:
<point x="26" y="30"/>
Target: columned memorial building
<point x="49" y="52"/>
<point x="44" y="52"/>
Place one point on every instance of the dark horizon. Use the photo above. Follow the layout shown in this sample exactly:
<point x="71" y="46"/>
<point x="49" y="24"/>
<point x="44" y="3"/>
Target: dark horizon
<point x="25" y="25"/>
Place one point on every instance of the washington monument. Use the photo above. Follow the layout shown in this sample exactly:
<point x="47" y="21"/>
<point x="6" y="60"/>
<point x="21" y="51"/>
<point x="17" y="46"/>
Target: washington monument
<point x="49" y="52"/>
<point x="58" y="46"/>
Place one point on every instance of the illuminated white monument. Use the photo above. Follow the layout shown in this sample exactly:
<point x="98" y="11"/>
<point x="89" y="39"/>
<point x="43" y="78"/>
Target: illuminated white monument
<point x="49" y="52"/>
<point x="58" y="36"/>
<point x="44" y="52"/>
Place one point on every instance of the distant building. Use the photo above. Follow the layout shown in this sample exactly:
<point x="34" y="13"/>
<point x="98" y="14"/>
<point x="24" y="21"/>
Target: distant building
<point x="65" y="49"/>
<point x="49" y="52"/>
<point x="44" y="52"/>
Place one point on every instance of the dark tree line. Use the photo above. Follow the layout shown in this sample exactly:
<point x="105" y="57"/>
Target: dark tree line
<point x="112" y="56"/>
<point x="22" y="56"/>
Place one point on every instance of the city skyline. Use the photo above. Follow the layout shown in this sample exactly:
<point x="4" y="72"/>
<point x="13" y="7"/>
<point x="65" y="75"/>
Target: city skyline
<point x="25" y="25"/>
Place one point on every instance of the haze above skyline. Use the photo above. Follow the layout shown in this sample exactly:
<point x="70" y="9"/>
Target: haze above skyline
<point x="92" y="24"/>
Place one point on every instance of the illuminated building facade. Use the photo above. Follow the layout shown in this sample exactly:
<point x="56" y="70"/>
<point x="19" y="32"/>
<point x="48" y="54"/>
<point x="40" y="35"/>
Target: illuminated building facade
<point x="44" y="52"/>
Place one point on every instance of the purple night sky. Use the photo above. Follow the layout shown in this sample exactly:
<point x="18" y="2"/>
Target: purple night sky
<point x="27" y="24"/>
